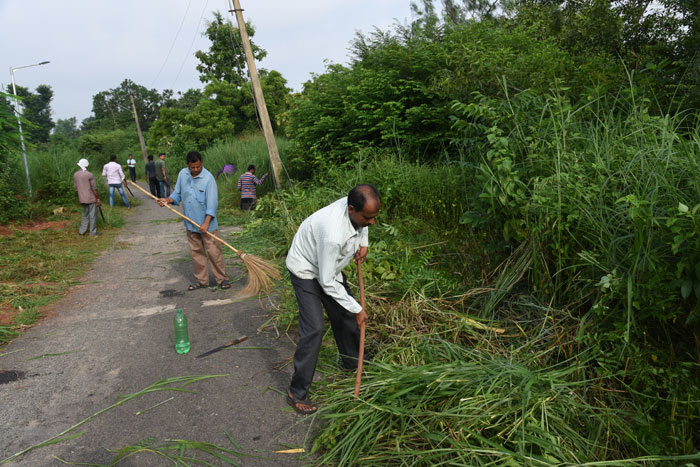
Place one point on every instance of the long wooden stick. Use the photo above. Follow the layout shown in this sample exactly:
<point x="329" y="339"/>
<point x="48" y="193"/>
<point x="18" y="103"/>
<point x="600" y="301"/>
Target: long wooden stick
<point x="361" y="356"/>
<point x="237" y="251"/>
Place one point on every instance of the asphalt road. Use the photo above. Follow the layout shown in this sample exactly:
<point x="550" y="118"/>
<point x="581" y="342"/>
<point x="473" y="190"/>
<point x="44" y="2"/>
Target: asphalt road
<point x="115" y="334"/>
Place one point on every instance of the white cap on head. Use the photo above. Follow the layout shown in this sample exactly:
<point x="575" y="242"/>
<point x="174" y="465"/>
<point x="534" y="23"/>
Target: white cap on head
<point x="83" y="164"/>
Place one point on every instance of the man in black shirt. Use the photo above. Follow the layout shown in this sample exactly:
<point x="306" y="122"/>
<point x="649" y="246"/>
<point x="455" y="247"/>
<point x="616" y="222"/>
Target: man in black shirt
<point x="152" y="180"/>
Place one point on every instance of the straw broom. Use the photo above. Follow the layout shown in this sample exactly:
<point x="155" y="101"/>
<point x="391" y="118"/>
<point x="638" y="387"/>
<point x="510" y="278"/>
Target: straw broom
<point x="361" y="356"/>
<point x="261" y="274"/>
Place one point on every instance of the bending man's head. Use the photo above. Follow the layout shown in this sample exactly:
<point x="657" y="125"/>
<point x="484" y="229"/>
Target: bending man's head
<point x="363" y="205"/>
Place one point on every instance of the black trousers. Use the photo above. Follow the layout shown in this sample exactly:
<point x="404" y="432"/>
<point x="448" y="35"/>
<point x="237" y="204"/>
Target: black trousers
<point x="248" y="204"/>
<point x="310" y="297"/>
<point x="132" y="174"/>
<point x="154" y="186"/>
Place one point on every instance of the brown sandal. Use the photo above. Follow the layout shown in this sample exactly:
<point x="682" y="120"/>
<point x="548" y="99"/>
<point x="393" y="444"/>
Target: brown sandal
<point x="196" y="286"/>
<point x="301" y="406"/>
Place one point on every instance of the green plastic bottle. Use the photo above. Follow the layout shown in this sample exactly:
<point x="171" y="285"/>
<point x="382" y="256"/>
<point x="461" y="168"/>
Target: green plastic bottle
<point x="182" y="340"/>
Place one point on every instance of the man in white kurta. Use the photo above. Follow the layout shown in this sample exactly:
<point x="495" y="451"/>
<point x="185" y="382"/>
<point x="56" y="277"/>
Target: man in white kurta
<point x="325" y="243"/>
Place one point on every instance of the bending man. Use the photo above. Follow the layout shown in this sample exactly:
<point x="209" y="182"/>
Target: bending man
<point x="325" y="243"/>
<point x="196" y="189"/>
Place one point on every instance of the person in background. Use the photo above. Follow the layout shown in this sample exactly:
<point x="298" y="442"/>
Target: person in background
<point x="131" y="163"/>
<point x="247" y="184"/>
<point x="153" y="184"/>
<point x="227" y="169"/>
<point x="162" y="175"/>
<point x="196" y="190"/>
<point x="115" y="180"/>
<point x="84" y="184"/>
<point x="325" y="243"/>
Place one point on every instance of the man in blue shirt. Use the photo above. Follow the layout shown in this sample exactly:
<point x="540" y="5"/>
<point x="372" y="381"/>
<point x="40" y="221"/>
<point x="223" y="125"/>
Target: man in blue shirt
<point x="196" y="190"/>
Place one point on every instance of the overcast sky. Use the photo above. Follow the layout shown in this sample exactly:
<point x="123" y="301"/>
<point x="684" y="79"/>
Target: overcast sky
<point x="93" y="45"/>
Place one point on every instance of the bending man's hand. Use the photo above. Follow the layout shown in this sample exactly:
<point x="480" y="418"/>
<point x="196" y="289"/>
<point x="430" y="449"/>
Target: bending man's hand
<point x="361" y="254"/>
<point x="361" y="318"/>
<point x="163" y="201"/>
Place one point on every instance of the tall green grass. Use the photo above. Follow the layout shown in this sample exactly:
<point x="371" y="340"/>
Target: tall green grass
<point x="546" y="315"/>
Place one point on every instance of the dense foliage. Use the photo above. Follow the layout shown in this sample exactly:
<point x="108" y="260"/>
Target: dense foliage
<point x="35" y="107"/>
<point x="572" y="147"/>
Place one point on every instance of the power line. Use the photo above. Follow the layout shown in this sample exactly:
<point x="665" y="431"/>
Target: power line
<point x="184" y="17"/>
<point x="191" y="44"/>
<point x="237" y="46"/>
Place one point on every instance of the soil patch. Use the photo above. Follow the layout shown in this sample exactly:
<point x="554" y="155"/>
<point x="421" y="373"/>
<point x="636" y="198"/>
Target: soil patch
<point x="34" y="226"/>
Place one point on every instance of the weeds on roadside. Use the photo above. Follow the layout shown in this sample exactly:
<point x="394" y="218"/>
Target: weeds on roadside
<point x="37" y="267"/>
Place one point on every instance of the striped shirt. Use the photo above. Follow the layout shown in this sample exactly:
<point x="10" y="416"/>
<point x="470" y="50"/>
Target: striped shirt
<point x="325" y="243"/>
<point x="246" y="184"/>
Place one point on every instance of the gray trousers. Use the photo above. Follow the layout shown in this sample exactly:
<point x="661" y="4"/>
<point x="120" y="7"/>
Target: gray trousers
<point x="312" y="299"/>
<point x="89" y="219"/>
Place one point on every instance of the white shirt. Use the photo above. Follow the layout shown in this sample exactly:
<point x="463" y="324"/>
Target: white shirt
<point x="113" y="172"/>
<point x="131" y="162"/>
<point x="325" y="243"/>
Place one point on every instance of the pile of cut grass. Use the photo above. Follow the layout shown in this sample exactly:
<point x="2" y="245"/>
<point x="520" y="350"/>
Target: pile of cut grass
<point x="469" y="409"/>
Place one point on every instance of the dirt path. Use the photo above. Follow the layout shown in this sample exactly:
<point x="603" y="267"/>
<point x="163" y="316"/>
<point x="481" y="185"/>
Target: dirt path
<point x="117" y="326"/>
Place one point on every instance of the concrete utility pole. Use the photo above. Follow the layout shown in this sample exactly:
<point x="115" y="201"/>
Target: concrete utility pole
<point x="259" y="98"/>
<point x="138" y="128"/>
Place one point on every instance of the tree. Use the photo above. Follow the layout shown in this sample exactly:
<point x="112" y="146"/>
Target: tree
<point x="225" y="60"/>
<point x="9" y="134"/>
<point x="112" y="108"/>
<point x="226" y="107"/>
<point x="36" y="109"/>
<point x="66" y="127"/>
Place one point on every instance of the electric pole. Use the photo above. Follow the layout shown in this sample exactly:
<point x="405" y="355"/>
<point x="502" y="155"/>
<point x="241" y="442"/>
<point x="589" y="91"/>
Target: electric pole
<point x="259" y="98"/>
<point x="138" y="128"/>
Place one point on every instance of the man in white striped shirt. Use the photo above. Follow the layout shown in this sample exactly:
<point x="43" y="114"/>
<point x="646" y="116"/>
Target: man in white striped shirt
<point x="325" y="243"/>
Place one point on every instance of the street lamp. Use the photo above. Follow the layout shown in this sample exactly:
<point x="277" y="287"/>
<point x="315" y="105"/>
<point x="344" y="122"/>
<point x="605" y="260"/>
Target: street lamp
<point x="19" y="120"/>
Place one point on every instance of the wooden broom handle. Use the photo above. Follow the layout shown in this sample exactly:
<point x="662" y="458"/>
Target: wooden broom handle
<point x="238" y="252"/>
<point x="361" y="354"/>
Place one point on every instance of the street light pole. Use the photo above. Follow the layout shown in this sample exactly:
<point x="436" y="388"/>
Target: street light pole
<point x="19" y="121"/>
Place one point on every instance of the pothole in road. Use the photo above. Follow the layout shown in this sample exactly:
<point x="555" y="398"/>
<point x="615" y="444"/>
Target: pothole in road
<point x="8" y="376"/>
<point x="170" y="293"/>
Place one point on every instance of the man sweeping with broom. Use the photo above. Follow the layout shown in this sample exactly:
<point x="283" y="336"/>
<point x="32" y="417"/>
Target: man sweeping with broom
<point x="325" y="243"/>
<point x="196" y="189"/>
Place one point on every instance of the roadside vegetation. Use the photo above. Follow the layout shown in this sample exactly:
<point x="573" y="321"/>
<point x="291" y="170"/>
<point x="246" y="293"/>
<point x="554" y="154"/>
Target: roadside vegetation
<point x="41" y="261"/>
<point x="533" y="278"/>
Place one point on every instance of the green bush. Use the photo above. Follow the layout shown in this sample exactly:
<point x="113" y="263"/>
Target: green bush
<point x="12" y="182"/>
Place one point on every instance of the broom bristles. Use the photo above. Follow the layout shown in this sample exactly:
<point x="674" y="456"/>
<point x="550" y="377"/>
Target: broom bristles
<point x="261" y="276"/>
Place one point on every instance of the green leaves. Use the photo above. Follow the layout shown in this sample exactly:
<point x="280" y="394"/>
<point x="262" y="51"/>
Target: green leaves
<point x="225" y="60"/>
